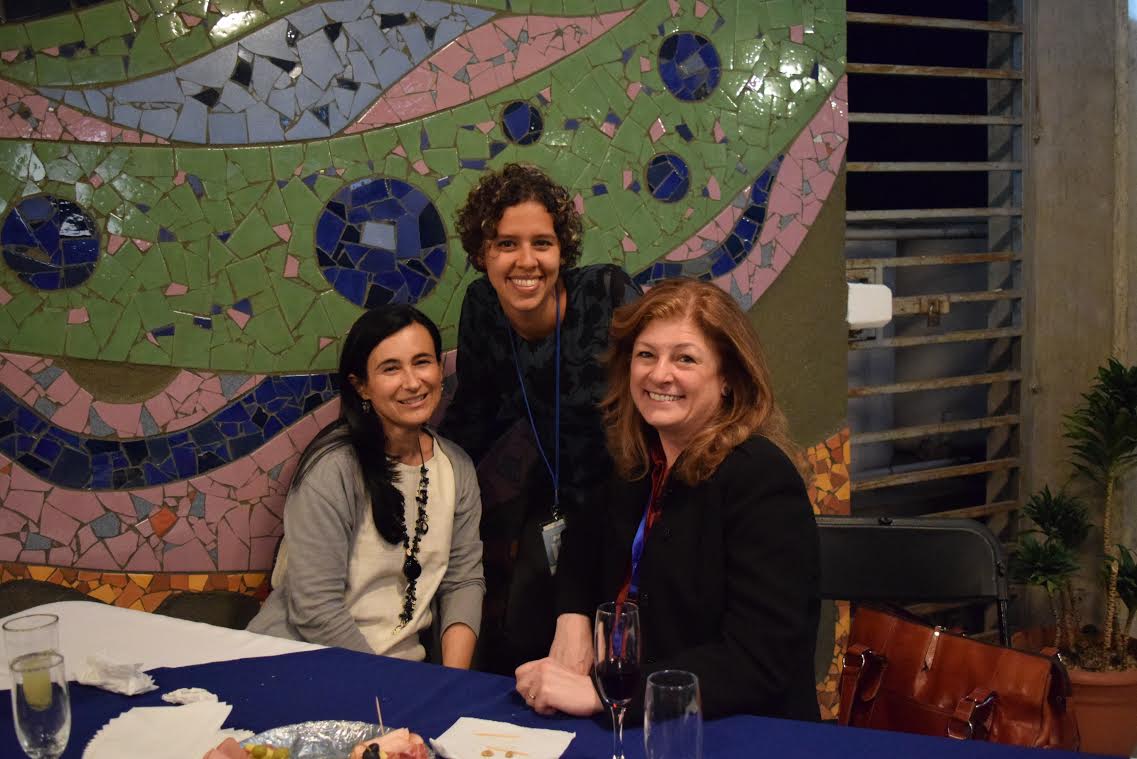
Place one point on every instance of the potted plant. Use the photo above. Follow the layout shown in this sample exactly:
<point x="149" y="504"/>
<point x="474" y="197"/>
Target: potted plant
<point x="1102" y="435"/>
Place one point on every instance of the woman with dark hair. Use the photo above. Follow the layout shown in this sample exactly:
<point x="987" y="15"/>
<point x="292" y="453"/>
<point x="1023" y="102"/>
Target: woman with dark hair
<point x="707" y="526"/>
<point x="382" y="515"/>
<point x="529" y="341"/>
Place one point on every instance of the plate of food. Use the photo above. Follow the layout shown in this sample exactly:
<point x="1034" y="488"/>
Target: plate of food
<point x="326" y="739"/>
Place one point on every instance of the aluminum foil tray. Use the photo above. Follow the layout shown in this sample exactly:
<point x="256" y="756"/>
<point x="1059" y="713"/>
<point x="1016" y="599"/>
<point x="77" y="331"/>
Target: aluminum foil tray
<point x="327" y="739"/>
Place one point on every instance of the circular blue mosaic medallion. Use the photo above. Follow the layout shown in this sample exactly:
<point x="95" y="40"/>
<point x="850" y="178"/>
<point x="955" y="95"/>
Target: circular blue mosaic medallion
<point x="689" y="66"/>
<point x="522" y="123"/>
<point x="50" y="242"/>
<point x="668" y="177"/>
<point x="380" y="240"/>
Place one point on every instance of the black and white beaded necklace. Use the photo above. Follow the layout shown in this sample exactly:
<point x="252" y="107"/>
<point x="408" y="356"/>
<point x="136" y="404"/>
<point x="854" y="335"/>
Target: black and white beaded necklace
<point x="411" y="567"/>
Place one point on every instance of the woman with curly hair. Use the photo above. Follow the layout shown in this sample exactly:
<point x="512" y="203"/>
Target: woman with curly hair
<point x="529" y="341"/>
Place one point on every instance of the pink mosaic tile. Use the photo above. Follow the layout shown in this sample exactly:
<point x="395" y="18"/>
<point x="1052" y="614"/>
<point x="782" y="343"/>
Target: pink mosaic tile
<point x="28" y="116"/>
<point x="518" y="46"/>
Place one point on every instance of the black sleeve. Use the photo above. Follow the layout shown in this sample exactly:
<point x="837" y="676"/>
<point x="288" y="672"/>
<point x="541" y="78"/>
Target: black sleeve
<point x="471" y="419"/>
<point x="772" y="570"/>
<point x="579" y="566"/>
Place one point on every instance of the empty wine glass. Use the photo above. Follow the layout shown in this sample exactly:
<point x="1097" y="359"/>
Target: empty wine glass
<point x="41" y="705"/>
<point x="617" y="632"/>
<point x="673" y="716"/>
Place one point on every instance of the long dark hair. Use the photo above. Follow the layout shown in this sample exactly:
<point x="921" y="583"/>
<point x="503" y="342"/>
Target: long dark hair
<point x="364" y="431"/>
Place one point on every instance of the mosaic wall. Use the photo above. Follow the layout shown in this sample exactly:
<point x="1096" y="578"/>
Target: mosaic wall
<point x="198" y="198"/>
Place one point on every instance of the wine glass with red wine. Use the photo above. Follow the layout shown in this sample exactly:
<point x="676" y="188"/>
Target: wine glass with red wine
<point x="617" y="634"/>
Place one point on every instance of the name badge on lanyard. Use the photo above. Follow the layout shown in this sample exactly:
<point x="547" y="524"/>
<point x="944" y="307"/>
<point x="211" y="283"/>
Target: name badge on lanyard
<point x="551" y="531"/>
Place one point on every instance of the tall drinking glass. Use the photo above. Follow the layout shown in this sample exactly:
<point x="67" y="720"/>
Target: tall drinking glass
<point x="617" y="632"/>
<point x="41" y="706"/>
<point x="673" y="716"/>
<point x="30" y="634"/>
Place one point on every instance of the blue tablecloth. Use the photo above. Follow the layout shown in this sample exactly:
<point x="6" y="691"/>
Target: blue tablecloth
<point x="338" y="684"/>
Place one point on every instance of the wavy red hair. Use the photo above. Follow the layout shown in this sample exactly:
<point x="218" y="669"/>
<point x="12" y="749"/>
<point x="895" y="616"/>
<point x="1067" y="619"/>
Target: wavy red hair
<point x="748" y="408"/>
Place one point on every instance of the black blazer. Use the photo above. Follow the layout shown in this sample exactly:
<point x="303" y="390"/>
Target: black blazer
<point x="728" y="580"/>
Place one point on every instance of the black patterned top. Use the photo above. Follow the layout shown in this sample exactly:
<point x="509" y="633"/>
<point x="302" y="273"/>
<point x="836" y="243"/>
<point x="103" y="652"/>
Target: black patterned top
<point x="488" y="400"/>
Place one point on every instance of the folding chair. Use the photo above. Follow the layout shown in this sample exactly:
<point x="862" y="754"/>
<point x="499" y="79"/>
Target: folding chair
<point x="913" y="560"/>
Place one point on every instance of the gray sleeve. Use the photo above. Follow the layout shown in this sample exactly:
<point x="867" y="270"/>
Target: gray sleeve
<point x="319" y="526"/>
<point x="463" y="586"/>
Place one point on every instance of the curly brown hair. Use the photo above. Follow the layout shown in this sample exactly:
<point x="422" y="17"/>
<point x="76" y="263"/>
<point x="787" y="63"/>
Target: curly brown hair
<point x="748" y="409"/>
<point x="514" y="184"/>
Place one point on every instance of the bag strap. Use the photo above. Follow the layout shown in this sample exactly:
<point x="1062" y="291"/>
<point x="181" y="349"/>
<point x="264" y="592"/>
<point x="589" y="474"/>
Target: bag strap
<point x="861" y="673"/>
<point x="972" y="717"/>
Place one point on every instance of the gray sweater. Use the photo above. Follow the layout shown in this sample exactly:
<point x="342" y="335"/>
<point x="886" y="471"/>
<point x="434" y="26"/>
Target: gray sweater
<point x="321" y="517"/>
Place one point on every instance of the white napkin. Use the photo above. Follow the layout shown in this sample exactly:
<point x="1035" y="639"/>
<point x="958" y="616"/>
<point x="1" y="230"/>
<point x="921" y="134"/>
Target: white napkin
<point x="469" y="738"/>
<point x="161" y="732"/>
<point x="127" y="679"/>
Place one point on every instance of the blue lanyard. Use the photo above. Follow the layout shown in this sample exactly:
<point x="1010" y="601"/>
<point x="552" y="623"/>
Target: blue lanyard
<point x="638" y="552"/>
<point x="555" y="469"/>
<point x="655" y="493"/>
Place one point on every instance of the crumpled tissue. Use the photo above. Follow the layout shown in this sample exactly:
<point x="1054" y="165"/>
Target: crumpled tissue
<point x="127" y="679"/>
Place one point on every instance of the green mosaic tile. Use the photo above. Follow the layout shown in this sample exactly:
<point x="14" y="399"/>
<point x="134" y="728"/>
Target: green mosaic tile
<point x="100" y="68"/>
<point x="230" y="356"/>
<point x="285" y="159"/>
<point x="190" y="46"/>
<point x="39" y="333"/>
<point x="247" y="277"/>
<point x="13" y="37"/>
<point x="218" y="213"/>
<point x="81" y="342"/>
<point x="52" y="71"/>
<point x="54" y="31"/>
<point x="347" y="150"/>
<point x="272" y="204"/>
<point x="152" y="274"/>
<point x="269" y="330"/>
<point x="147" y="54"/>
<point x="145" y="352"/>
<point x="191" y="344"/>
<point x="22" y="305"/>
<point x="246" y="199"/>
<point x="153" y="309"/>
<point x="254" y="163"/>
<point x="301" y="203"/>
<point x="295" y="301"/>
<point x="101" y="22"/>
<point x="252" y="235"/>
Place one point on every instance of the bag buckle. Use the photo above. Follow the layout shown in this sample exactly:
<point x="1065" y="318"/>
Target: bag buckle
<point x="972" y="715"/>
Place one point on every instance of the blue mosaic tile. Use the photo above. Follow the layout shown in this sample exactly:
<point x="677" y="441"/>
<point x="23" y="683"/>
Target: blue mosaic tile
<point x="522" y="123"/>
<point x="50" y="242"/>
<point x="380" y="240"/>
<point x="733" y="250"/>
<point x="689" y="66"/>
<point x="71" y="460"/>
<point x="295" y="65"/>
<point x="668" y="177"/>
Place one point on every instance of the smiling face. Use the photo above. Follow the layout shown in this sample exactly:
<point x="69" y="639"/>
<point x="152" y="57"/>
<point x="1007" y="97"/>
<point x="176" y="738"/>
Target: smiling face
<point x="676" y="381"/>
<point x="404" y="379"/>
<point x="523" y="263"/>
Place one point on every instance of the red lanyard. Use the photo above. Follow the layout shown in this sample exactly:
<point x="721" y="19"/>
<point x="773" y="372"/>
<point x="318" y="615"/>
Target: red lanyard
<point x="659" y="472"/>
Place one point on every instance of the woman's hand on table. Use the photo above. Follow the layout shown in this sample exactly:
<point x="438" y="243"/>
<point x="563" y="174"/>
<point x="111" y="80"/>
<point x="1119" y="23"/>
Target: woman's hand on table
<point x="572" y="643"/>
<point x="548" y="687"/>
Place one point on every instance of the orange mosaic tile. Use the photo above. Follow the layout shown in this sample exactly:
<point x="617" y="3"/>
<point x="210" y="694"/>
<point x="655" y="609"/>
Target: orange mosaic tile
<point x="829" y="493"/>
<point x="134" y="591"/>
<point x="828" y="692"/>
<point x="829" y="489"/>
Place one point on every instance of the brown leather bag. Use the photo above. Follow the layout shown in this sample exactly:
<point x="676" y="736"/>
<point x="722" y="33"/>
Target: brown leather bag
<point x="904" y="675"/>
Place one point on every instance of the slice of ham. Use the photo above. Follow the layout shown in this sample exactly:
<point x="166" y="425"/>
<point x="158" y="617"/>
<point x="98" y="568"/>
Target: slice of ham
<point x="228" y="749"/>
<point x="397" y="744"/>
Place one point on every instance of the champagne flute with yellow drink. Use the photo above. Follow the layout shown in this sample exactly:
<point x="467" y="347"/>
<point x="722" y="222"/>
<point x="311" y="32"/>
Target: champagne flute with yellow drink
<point x="41" y="705"/>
